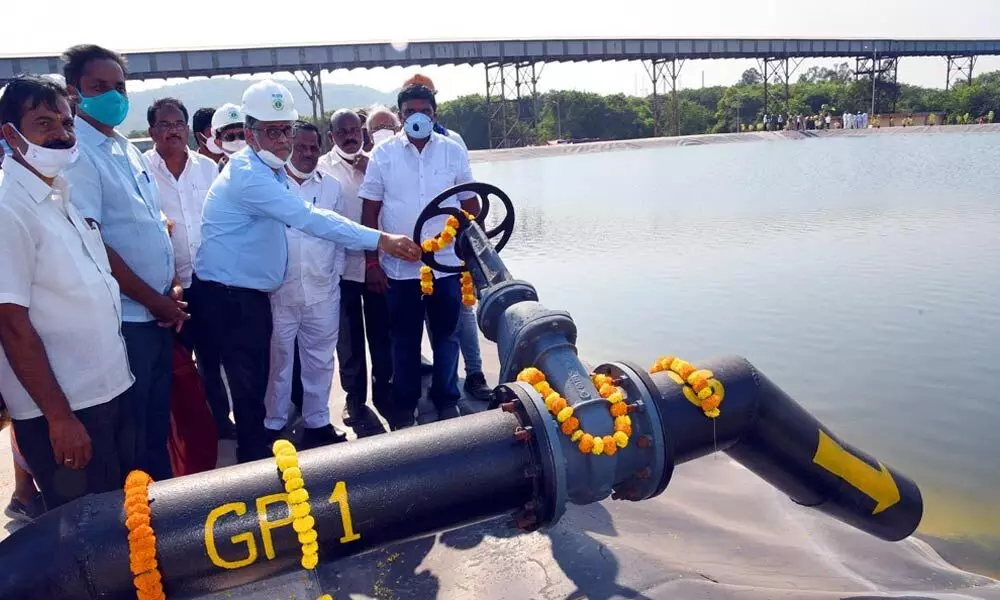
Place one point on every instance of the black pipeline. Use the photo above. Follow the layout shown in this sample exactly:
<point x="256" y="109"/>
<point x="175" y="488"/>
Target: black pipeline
<point x="219" y="530"/>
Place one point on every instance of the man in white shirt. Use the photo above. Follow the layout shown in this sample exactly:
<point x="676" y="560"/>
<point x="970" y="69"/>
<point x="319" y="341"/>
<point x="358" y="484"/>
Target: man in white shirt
<point x="404" y="174"/>
<point x="64" y="368"/>
<point x="183" y="178"/>
<point x="363" y="312"/>
<point x="307" y="304"/>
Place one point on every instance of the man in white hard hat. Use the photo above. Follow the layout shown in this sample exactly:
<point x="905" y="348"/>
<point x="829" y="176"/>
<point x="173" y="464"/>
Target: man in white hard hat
<point x="244" y="253"/>
<point x="227" y="131"/>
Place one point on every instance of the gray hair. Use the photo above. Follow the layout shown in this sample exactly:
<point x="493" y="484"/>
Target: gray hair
<point x="381" y="110"/>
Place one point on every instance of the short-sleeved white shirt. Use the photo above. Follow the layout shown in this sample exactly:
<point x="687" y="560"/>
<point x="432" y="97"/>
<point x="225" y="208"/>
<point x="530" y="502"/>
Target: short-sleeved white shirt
<point x="182" y="199"/>
<point x="405" y="181"/>
<point x="54" y="264"/>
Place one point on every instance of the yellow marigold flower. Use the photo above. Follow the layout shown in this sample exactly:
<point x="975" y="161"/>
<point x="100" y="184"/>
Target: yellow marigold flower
<point x="469" y="300"/>
<point x="294" y="484"/>
<point x="600" y="379"/>
<point x="298" y="496"/>
<point x="598" y="448"/>
<point x="564" y="414"/>
<point x="290" y="474"/>
<point x="304" y="524"/>
<point x="468" y="289"/>
<point x="286" y="462"/>
<point x="623" y="420"/>
<point x="308" y="537"/>
<point x="607" y="389"/>
<point x="576" y="436"/>
<point x="620" y="439"/>
<point x="300" y="510"/>
<point x="426" y="246"/>
<point x="450" y="229"/>
<point x="543" y="388"/>
<point x="616" y="397"/>
<point x="312" y="548"/>
<point x="309" y="561"/>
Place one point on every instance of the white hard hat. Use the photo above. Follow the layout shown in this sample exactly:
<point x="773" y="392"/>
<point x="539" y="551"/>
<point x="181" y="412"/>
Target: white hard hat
<point x="268" y="100"/>
<point x="226" y="115"/>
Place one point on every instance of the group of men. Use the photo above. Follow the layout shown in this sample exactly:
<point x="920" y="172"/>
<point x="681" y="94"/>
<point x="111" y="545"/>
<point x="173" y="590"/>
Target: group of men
<point x="258" y="253"/>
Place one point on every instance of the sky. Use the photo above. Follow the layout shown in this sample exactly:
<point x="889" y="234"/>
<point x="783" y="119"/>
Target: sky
<point x="125" y="25"/>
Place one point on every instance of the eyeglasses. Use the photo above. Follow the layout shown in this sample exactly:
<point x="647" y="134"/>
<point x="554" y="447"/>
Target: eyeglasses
<point x="275" y="133"/>
<point x="171" y="125"/>
<point x="232" y="136"/>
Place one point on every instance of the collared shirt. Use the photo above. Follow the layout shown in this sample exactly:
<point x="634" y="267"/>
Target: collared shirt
<point x="314" y="264"/>
<point x="183" y="199"/>
<point x="55" y="265"/>
<point x="405" y="181"/>
<point x="243" y="225"/>
<point x="350" y="180"/>
<point x="111" y="184"/>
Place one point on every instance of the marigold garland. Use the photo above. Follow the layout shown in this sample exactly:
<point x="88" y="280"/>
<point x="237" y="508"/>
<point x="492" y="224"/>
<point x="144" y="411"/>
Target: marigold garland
<point x="426" y="280"/>
<point x="700" y="386"/>
<point x="468" y="291"/>
<point x="607" y="445"/>
<point x="303" y="523"/>
<point x="141" y="539"/>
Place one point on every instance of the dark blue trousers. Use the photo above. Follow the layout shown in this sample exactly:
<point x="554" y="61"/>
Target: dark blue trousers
<point x="150" y="357"/>
<point x="407" y="306"/>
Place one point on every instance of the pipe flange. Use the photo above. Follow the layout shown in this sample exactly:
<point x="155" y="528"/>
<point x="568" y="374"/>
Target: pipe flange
<point x="548" y="469"/>
<point x="650" y="476"/>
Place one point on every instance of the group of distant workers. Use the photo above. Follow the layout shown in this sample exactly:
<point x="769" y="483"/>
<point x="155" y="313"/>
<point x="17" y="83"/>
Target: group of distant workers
<point x="260" y="254"/>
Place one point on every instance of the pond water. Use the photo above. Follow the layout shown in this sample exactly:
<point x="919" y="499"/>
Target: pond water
<point x="862" y="275"/>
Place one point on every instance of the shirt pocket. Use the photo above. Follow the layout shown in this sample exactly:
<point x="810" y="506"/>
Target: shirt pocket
<point x="442" y="178"/>
<point x="94" y="243"/>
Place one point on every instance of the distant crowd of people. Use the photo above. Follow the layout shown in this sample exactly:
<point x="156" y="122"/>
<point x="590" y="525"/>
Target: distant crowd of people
<point x="260" y="255"/>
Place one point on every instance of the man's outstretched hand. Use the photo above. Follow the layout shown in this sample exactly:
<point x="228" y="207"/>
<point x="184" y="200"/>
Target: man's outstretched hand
<point x="399" y="246"/>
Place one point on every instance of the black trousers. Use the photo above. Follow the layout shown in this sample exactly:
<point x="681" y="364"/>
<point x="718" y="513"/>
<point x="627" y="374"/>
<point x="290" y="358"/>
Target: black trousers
<point x="239" y="320"/>
<point x="364" y="315"/>
<point x="196" y="333"/>
<point x="111" y="427"/>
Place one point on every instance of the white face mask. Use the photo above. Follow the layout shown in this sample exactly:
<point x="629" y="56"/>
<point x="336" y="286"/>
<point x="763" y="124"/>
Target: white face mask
<point x="382" y="135"/>
<point x="271" y="159"/>
<point x="49" y="162"/>
<point x="347" y="155"/>
<point x="233" y="146"/>
<point x="212" y="146"/>
<point x="300" y="174"/>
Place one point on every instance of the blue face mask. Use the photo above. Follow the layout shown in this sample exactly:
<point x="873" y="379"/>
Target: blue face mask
<point x="109" y="108"/>
<point x="418" y="126"/>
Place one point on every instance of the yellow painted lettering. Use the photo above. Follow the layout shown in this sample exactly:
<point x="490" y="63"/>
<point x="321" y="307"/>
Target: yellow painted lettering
<point x="266" y="525"/>
<point x="243" y="538"/>
<point x="339" y="497"/>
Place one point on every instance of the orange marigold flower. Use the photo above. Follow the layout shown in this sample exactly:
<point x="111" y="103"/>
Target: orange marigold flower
<point x="446" y="237"/>
<point x="451" y="221"/>
<point x="136" y="520"/>
<point x="551" y="399"/>
<point x="586" y="443"/>
<point x="570" y="425"/>
<point x="543" y="388"/>
<point x="138" y="478"/>
<point x="469" y="300"/>
<point x="619" y="409"/>
<point x="558" y="405"/>
<point x="609" y="446"/>
<point x="711" y="403"/>
<point x="531" y="376"/>
<point x="607" y="389"/>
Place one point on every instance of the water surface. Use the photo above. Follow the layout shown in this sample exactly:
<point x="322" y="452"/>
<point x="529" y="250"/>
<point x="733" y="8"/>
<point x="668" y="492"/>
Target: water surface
<point x="862" y="275"/>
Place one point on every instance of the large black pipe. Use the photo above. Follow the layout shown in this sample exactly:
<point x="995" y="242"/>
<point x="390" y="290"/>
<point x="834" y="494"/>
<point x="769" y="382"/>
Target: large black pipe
<point x="764" y="429"/>
<point x="224" y="528"/>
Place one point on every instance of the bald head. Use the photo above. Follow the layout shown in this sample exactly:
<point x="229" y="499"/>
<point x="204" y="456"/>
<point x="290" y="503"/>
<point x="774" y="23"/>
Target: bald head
<point x="383" y="118"/>
<point x="345" y="130"/>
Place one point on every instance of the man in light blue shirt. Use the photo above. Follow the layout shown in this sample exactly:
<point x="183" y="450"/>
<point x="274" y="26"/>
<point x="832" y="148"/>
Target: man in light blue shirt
<point x="243" y="253"/>
<point x="112" y="189"/>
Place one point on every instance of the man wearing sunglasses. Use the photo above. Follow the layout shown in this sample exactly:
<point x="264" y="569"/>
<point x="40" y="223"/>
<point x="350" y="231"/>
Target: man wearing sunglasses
<point x="244" y="254"/>
<point x="227" y="131"/>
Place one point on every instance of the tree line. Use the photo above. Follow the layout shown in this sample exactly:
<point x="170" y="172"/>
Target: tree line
<point x="719" y="109"/>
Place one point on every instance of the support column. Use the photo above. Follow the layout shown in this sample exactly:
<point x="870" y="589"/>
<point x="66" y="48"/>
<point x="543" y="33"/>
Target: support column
<point x="882" y="72"/>
<point x="674" y="70"/>
<point x="513" y="122"/>
<point x="960" y="69"/>
<point x="654" y="68"/>
<point x="311" y="83"/>
<point x="779" y="71"/>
